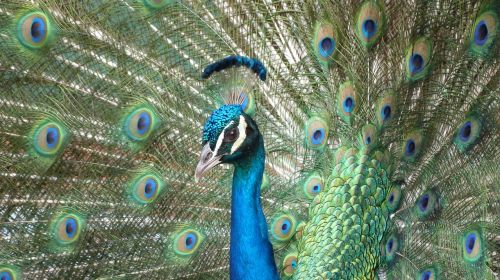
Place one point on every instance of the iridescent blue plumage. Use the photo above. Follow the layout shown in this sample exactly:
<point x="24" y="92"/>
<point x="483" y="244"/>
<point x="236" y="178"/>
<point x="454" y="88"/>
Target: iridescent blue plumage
<point x="251" y="63"/>
<point x="231" y="136"/>
<point x="217" y="121"/>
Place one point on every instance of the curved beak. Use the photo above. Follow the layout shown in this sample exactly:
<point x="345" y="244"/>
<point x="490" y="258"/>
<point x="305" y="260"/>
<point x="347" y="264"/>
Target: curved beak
<point x="207" y="161"/>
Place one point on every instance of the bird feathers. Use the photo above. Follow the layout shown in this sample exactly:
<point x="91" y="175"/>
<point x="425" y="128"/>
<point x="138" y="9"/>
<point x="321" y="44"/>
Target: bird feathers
<point x="119" y="85"/>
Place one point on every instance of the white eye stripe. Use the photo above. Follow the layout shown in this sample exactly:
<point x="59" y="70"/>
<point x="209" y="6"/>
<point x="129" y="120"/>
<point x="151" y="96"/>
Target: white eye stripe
<point x="242" y="126"/>
<point x="221" y="137"/>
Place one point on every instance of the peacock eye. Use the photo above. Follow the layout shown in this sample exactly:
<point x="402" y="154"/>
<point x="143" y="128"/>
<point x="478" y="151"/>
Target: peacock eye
<point x="6" y="275"/>
<point x="145" y="189"/>
<point x="231" y="135"/>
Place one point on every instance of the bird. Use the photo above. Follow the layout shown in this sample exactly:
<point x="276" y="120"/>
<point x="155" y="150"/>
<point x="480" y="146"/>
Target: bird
<point x="169" y="139"/>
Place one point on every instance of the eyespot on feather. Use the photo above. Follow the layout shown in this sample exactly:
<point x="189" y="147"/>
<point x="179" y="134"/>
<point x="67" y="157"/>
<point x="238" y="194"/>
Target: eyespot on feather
<point x="412" y="145"/>
<point x="347" y="101"/>
<point x="313" y="185"/>
<point x="369" y="136"/>
<point x="316" y="133"/>
<point x="325" y="42"/>
<point x="393" y="198"/>
<point x="140" y="123"/>
<point x="49" y="138"/>
<point x="418" y="59"/>
<point x="484" y="32"/>
<point x="187" y="242"/>
<point x="426" y="205"/>
<point x="370" y="24"/>
<point x="386" y="108"/>
<point x="67" y="228"/>
<point x="430" y="273"/>
<point x="8" y="272"/>
<point x="390" y="248"/>
<point x="34" y="30"/>
<point x="467" y="134"/>
<point x="283" y="227"/>
<point x="472" y="245"/>
<point x="146" y="188"/>
<point x="290" y="263"/>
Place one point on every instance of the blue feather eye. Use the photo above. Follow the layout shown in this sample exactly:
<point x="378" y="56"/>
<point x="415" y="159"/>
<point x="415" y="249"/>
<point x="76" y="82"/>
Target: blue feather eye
<point x="467" y="134"/>
<point x="146" y="188"/>
<point x="416" y="63"/>
<point x="465" y="131"/>
<point x="190" y="241"/>
<point x="481" y="33"/>
<point x="418" y="57"/>
<point x="6" y="276"/>
<point x="33" y="30"/>
<point x="150" y="188"/>
<point x="70" y="228"/>
<point x="324" y="42"/>
<point x="426" y="205"/>
<point x="316" y="133"/>
<point x="390" y="248"/>
<point x="393" y="198"/>
<point x="386" y="112"/>
<point x="484" y="32"/>
<point x="370" y="24"/>
<point x="184" y="244"/>
<point x="348" y="104"/>
<point x="48" y="138"/>
<point x="369" y="28"/>
<point x="326" y="46"/>
<point x="140" y="123"/>
<point x="283" y="227"/>
<point x="9" y="272"/>
<point x="386" y="108"/>
<point x="347" y="100"/>
<point x="427" y="274"/>
<point x="369" y="136"/>
<point x="290" y="264"/>
<point x="412" y="145"/>
<point x="313" y="186"/>
<point x="66" y="230"/>
<point x="472" y="246"/>
<point x="187" y="242"/>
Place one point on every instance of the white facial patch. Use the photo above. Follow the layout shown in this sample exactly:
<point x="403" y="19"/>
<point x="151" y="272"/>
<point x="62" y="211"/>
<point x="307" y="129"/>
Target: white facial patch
<point x="221" y="137"/>
<point x="242" y="128"/>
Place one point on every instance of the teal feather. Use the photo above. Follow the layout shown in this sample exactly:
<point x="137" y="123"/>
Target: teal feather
<point x="102" y="110"/>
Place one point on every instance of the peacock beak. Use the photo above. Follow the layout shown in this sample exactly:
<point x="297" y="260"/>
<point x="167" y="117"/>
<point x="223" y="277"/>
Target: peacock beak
<point x="208" y="160"/>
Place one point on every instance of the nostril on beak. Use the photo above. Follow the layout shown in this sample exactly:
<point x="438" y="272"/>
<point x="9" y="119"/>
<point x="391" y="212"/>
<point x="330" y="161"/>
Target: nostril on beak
<point x="207" y="156"/>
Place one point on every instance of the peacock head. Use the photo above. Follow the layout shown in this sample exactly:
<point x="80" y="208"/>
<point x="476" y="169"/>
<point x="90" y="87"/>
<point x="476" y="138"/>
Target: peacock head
<point x="228" y="136"/>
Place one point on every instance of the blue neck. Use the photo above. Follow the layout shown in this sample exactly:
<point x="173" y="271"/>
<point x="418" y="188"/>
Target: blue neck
<point x="251" y="253"/>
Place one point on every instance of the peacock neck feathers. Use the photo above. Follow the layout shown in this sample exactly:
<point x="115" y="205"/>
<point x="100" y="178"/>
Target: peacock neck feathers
<point x="251" y="250"/>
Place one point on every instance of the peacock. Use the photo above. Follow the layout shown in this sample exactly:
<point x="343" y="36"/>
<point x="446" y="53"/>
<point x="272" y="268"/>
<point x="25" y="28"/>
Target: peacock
<point x="219" y="139"/>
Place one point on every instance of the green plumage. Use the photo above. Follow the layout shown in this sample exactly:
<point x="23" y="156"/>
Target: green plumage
<point x="380" y="123"/>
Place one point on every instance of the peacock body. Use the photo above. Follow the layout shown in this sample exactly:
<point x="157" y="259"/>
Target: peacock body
<point x="363" y="135"/>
